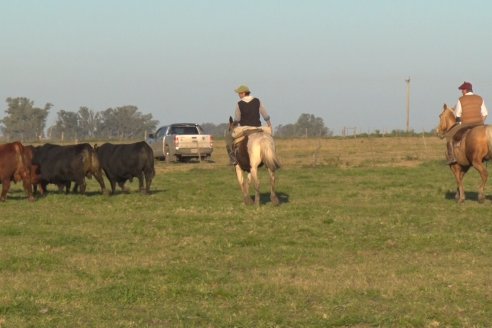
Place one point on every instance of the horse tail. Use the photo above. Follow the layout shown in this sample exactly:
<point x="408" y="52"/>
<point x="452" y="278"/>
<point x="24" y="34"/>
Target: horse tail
<point x="268" y="154"/>
<point x="488" y="132"/>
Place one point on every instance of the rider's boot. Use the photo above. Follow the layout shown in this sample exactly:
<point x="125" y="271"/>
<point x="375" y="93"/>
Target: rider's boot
<point x="450" y="153"/>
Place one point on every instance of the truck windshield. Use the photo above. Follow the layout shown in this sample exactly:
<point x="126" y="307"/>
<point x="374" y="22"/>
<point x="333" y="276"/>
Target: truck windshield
<point x="184" y="130"/>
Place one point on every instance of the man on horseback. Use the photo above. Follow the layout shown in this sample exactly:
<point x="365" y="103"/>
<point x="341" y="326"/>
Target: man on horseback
<point x="470" y="112"/>
<point x="247" y="113"/>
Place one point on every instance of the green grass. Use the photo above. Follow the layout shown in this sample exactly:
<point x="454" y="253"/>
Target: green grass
<point x="348" y="247"/>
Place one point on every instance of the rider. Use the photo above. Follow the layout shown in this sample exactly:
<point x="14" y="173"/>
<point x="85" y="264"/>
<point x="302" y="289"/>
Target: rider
<point x="470" y="111"/>
<point x="247" y="113"/>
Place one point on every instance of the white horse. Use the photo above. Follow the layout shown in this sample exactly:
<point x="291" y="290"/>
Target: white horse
<point x="253" y="149"/>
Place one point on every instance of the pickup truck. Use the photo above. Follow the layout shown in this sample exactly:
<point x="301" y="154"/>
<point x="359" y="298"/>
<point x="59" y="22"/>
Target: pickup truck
<point x="181" y="142"/>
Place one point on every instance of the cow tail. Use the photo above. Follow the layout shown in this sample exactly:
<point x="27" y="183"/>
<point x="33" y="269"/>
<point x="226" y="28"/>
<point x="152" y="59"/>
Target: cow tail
<point x="23" y="170"/>
<point x="148" y="153"/>
<point x="95" y="164"/>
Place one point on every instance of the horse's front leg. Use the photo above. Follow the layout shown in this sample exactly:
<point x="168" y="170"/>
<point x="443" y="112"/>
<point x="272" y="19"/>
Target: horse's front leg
<point x="244" y="185"/>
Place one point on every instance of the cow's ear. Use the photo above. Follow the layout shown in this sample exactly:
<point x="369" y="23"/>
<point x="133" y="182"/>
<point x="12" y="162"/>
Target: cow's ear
<point x="230" y="120"/>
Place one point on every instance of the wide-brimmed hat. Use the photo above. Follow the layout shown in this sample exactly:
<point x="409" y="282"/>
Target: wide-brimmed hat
<point x="466" y="86"/>
<point x="242" y="88"/>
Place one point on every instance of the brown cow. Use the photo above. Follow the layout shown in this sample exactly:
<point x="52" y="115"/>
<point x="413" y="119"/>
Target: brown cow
<point x="14" y="166"/>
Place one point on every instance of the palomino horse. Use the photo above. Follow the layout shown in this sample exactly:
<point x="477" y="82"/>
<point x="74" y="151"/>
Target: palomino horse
<point x="474" y="148"/>
<point x="254" y="149"/>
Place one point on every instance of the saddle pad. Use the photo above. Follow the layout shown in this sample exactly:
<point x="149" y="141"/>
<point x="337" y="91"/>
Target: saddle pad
<point x="241" y="131"/>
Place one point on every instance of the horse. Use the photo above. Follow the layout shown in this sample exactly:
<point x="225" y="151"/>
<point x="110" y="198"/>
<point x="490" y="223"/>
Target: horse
<point x="254" y="149"/>
<point x="474" y="148"/>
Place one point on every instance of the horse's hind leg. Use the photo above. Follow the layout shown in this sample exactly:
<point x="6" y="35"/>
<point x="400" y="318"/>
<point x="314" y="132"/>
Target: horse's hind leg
<point x="256" y="181"/>
<point x="484" y="176"/>
<point x="459" y="174"/>
<point x="273" y="195"/>
<point x="244" y="184"/>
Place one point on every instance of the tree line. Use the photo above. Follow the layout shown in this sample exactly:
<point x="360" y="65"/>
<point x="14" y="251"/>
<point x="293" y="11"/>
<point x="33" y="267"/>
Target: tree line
<point x="27" y="122"/>
<point x="24" y="121"/>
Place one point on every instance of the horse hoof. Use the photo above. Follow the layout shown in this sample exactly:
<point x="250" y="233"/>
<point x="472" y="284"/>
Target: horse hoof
<point x="248" y="201"/>
<point x="275" y="200"/>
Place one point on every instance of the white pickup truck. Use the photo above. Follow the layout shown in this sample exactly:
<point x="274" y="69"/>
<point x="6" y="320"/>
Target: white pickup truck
<point x="181" y="142"/>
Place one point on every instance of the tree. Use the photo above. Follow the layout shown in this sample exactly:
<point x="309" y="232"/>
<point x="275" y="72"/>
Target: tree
<point x="125" y="122"/>
<point x="288" y="130"/>
<point x="215" y="130"/>
<point x="23" y="120"/>
<point x="66" y="126"/>
<point x="307" y="125"/>
<point x="89" y="122"/>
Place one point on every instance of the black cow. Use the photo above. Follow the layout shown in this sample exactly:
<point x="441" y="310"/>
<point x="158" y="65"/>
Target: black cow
<point x="63" y="164"/>
<point x="123" y="162"/>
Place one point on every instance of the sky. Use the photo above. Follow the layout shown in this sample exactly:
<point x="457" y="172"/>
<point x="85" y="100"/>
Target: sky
<point x="180" y="60"/>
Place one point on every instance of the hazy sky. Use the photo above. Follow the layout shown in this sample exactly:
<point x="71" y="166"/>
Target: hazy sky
<point x="345" y="61"/>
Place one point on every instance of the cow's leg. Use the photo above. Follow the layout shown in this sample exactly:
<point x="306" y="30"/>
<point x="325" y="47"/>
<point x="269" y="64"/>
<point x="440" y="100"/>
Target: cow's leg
<point x="148" y="181"/>
<point x="273" y="194"/>
<point x="99" y="178"/>
<point x="123" y="187"/>
<point x="43" y="185"/>
<point x="140" y="178"/>
<point x="244" y="185"/>
<point x="113" y="185"/>
<point x="5" y="189"/>
<point x="28" y="188"/>
<point x="82" y="185"/>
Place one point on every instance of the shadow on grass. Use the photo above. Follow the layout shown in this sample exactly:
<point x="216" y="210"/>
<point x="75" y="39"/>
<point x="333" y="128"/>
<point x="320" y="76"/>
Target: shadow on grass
<point x="119" y="192"/>
<point x="94" y="193"/>
<point x="282" y="197"/>
<point x="469" y="195"/>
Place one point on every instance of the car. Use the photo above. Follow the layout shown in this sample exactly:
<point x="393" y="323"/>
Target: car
<point x="181" y="142"/>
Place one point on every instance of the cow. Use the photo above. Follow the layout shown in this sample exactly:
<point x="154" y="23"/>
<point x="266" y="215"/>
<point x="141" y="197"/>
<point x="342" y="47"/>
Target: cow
<point x="63" y="164"/>
<point x="14" y="166"/>
<point x="36" y="174"/>
<point x="123" y="162"/>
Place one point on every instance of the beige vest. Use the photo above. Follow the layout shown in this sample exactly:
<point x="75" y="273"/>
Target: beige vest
<point x="471" y="106"/>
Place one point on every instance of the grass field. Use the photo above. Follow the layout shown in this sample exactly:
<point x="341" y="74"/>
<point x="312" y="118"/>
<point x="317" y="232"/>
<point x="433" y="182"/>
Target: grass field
<point x="367" y="235"/>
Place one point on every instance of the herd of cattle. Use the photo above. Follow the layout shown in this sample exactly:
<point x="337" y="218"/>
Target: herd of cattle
<point x="62" y="165"/>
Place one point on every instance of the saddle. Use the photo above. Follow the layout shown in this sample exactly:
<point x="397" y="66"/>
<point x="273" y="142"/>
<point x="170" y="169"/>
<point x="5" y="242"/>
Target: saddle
<point x="240" y="137"/>
<point x="241" y="131"/>
<point x="462" y="131"/>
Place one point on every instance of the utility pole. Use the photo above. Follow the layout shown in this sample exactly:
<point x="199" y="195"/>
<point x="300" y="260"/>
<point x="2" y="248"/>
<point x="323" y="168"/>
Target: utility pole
<point x="408" y="103"/>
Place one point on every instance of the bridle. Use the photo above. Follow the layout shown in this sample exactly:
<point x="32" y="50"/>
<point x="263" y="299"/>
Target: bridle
<point x="441" y="132"/>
